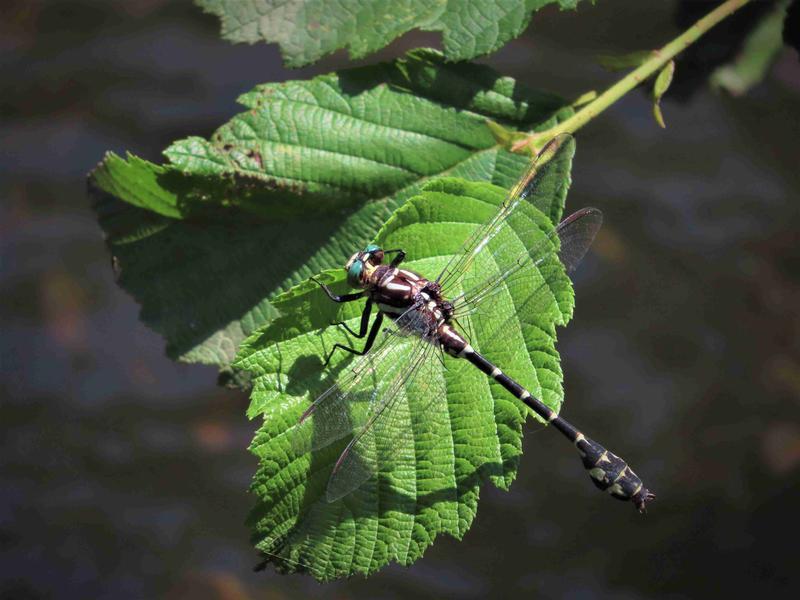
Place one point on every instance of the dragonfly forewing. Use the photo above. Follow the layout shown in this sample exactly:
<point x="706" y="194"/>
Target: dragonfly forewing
<point x="510" y="309"/>
<point x="529" y="253"/>
<point x="518" y="200"/>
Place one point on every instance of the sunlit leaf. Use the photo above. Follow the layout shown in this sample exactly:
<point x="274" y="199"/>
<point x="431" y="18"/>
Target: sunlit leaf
<point x="398" y="514"/>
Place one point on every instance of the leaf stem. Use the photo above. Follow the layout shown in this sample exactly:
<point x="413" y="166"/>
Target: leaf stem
<point x="534" y="142"/>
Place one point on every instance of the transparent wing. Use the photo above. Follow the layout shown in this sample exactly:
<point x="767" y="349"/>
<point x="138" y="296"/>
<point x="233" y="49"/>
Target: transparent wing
<point x="344" y="407"/>
<point x="530" y="249"/>
<point x="575" y="234"/>
<point x="373" y="400"/>
<point x="530" y="281"/>
<point x="415" y="402"/>
<point x="521" y="194"/>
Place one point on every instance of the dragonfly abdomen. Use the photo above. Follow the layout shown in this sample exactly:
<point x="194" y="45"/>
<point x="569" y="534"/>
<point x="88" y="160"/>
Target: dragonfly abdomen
<point x="488" y="367"/>
<point x="608" y="471"/>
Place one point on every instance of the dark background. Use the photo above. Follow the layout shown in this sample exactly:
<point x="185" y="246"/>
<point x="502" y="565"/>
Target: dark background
<point x="124" y="474"/>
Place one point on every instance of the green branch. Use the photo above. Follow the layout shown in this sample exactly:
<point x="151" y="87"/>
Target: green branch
<point x="649" y="67"/>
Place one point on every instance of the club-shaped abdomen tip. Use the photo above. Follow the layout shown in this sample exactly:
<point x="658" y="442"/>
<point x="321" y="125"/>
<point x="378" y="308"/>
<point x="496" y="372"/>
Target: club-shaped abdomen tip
<point x="612" y="474"/>
<point x="641" y="498"/>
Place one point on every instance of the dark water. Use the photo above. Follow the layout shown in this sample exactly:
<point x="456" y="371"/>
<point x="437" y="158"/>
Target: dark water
<point x="123" y="474"/>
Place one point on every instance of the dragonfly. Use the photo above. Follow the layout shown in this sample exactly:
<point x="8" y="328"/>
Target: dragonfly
<point x="420" y="316"/>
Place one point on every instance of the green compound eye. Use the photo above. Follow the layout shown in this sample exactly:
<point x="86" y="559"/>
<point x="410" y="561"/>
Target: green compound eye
<point x="372" y="248"/>
<point x="354" y="274"/>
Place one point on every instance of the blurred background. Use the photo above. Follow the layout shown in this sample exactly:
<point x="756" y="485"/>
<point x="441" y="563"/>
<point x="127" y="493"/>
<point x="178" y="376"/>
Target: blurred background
<point x="125" y="474"/>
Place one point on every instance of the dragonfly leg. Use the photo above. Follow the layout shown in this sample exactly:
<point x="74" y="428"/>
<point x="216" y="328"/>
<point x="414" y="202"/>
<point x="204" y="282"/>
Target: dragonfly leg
<point x="401" y="256"/>
<point x="364" y="322"/>
<point x="343" y="298"/>
<point x="373" y="333"/>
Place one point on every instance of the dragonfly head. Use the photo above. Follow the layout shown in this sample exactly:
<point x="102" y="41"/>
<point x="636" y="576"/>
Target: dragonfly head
<point x="362" y="264"/>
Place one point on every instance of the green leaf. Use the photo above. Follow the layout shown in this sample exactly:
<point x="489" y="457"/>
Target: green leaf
<point x="660" y="87"/>
<point x="289" y="187"/>
<point x="309" y="29"/>
<point x="397" y="515"/>
<point x="759" y="52"/>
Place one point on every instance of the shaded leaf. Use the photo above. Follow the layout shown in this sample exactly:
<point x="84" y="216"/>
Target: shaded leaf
<point x="289" y="187"/>
<point x="309" y="29"/>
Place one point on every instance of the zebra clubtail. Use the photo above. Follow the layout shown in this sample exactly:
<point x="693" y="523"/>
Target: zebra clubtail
<point x="424" y="316"/>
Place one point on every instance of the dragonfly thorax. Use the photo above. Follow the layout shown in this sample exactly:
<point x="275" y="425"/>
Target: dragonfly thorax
<point x="396" y="290"/>
<point x="418" y="303"/>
